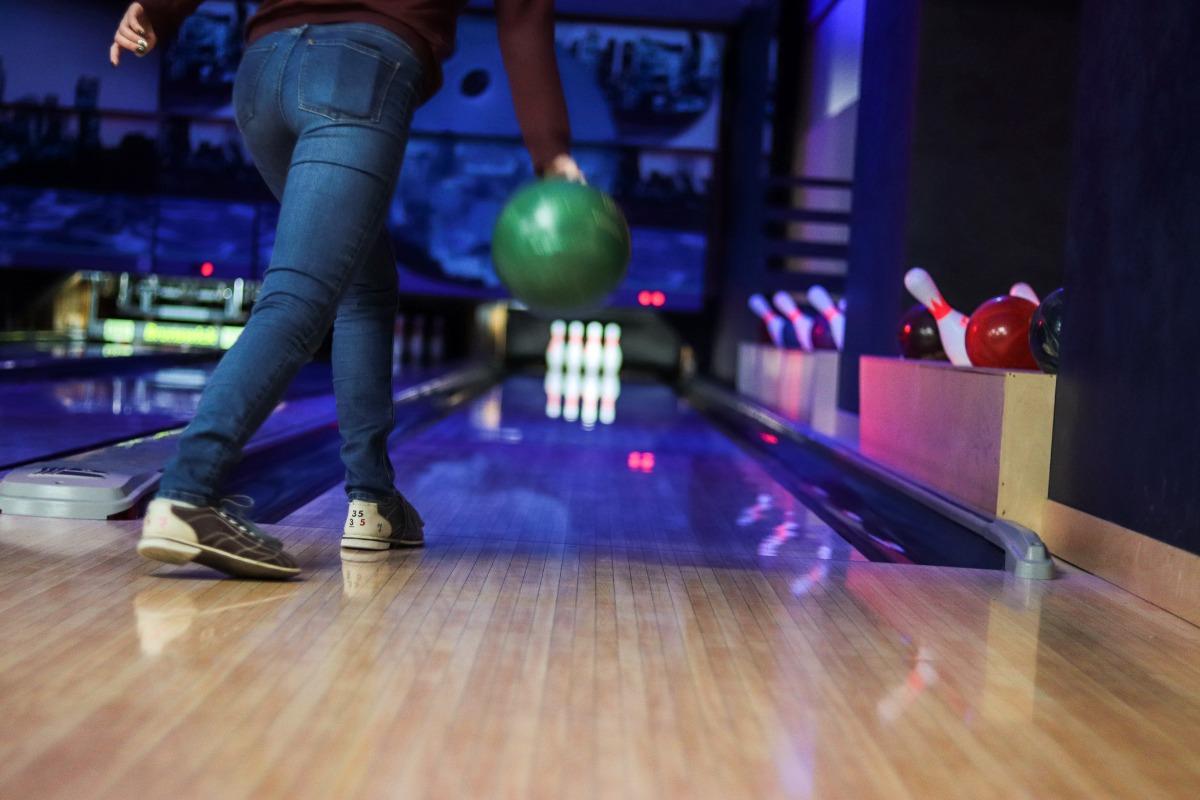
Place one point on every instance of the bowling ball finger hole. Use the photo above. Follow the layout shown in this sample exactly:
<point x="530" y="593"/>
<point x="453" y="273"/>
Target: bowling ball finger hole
<point x="475" y="83"/>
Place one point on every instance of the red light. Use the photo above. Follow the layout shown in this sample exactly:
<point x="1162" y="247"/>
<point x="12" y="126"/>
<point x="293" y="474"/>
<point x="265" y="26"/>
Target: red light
<point x="206" y="269"/>
<point x="769" y="438"/>
<point x="644" y="298"/>
<point x="658" y="299"/>
<point x="640" y="462"/>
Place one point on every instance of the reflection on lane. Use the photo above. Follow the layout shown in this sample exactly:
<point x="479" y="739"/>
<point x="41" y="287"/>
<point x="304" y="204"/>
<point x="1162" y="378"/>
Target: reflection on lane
<point x="657" y="476"/>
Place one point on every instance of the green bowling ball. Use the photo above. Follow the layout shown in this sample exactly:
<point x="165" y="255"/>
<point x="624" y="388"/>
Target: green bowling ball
<point x="561" y="246"/>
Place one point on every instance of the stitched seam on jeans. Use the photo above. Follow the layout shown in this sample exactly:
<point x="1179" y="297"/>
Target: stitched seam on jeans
<point x="386" y="36"/>
<point x="257" y="79"/>
<point x="260" y="48"/>
<point x="283" y="72"/>
<point x="387" y="90"/>
<point x="377" y="110"/>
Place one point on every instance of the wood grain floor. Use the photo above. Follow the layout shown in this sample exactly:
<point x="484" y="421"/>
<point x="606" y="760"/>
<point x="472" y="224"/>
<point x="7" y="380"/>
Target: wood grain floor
<point x="580" y="626"/>
<point x="500" y="667"/>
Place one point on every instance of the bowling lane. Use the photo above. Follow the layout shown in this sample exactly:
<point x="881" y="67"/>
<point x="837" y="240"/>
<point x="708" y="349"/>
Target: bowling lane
<point x="22" y="359"/>
<point x="49" y="417"/>
<point x="658" y="477"/>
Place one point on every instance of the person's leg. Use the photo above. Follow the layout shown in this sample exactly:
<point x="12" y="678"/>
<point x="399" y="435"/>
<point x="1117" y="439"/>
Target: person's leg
<point x="346" y="93"/>
<point x="362" y="373"/>
<point x="213" y="438"/>
<point x="378" y="516"/>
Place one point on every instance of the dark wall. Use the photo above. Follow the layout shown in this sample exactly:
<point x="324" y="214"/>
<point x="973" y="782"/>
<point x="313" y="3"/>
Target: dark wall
<point x="882" y="167"/>
<point x="1127" y="417"/>
<point x="991" y="154"/>
<point x="742" y="267"/>
<point x="963" y="157"/>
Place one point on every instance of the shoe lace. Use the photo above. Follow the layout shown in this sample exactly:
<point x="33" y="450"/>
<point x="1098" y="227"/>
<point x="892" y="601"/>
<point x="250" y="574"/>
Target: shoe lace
<point x="235" y="509"/>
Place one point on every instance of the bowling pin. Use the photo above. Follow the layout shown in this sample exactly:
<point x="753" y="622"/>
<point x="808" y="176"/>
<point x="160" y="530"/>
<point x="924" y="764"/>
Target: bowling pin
<point x="593" y="351"/>
<point x="571" y="390"/>
<point x="574" y="353"/>
<point x="952" y="325"/>
<point x="554" y="390"/>
<point x="800" y="323"/>
<point x="823" y="303"/>
<point x="774" y="322"/>
<point x="610" y="390"/>
<point x="555" y="349"/>
<point x="1023" y="289"/>
<point x="589" y="410"/>
<point x="613" y="356"/>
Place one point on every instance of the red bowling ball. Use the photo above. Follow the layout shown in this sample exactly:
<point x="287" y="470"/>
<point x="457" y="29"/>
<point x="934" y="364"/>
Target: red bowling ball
<point x="998" y="334"/>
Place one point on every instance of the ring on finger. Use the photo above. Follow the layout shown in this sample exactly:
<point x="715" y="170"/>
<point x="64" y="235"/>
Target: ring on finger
<point x="142" y="46"/>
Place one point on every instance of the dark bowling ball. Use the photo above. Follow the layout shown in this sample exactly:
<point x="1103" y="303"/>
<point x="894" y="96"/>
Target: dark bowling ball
<point x="918" y="334"/>
<point x="822" y="334"/>
<point x="998" y="334"/>
<point x="1045" y="330"/>
<point x="560" y="246"/>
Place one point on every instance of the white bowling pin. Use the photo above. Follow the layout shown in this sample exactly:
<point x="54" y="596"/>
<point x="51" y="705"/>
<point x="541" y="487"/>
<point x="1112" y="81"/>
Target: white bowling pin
<point x="774" y="322"/>
<point x="610" y="390"/>
<point x="1026" y="291"/>
<point x="574" y="353"/>
<point x="613" y="355"/>
<point x="952" y="325"/>
<point x="823" y="303"/>
<point x="554" y="390"/>
<point x="593" y="351"/>
<point x="590" y="407"/>
<point x="801" y="324"/>
<point x="557" y="346"/>
<point x="571" y="389"/>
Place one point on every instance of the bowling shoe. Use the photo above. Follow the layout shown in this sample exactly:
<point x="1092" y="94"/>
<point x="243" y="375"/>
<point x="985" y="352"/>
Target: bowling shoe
<point x="176" y="533"/>
<point x="381" y="526"/>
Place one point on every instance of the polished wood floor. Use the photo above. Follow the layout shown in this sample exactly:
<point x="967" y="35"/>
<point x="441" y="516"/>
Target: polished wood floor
<point x="581" y="624"/>
<point x="503" y="667"/>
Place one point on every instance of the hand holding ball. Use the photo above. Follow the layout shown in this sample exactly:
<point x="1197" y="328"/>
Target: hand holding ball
<point x="561" y="246"/>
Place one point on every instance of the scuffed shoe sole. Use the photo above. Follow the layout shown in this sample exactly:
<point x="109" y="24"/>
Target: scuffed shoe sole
<point x="172" y="551"/>
<point x="373" y="543"/>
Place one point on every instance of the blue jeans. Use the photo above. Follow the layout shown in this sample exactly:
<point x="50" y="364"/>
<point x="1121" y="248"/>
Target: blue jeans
<point x="325" y="112"/>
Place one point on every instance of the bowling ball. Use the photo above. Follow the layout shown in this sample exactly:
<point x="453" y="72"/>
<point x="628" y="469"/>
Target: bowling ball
<point x="561" y="246"/>
<point x="918" y="334"/>
<point x="1045" y="330"/>
<point x="998" y="334"/>
<point x="822" y="334"/>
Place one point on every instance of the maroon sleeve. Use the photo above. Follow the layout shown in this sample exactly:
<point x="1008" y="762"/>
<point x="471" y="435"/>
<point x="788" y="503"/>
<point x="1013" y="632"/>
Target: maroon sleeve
<point x="526" y="30"/>
<point x="165" y="16"/>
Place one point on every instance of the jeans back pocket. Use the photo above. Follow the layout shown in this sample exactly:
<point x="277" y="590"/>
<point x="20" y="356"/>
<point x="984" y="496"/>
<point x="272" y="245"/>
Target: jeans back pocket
<point x="245" y="85"/>
<point x="344" y="80"/>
